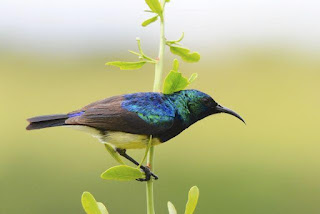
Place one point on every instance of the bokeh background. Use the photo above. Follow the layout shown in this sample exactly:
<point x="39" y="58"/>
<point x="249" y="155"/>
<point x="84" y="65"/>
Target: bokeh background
<point x="260" y="58"/>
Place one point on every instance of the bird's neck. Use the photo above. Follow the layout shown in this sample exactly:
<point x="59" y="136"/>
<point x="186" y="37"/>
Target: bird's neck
<point x="180" y="102"/>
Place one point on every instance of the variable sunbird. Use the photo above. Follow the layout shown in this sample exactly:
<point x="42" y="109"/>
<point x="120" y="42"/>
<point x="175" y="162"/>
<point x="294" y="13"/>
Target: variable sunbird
<point x="127" y="121"/>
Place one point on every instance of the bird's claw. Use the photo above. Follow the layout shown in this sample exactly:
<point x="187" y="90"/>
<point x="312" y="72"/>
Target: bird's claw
<point x="148" y="174"/>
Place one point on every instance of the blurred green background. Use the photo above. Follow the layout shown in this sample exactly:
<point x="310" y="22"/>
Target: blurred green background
<point x="271" y="165"/>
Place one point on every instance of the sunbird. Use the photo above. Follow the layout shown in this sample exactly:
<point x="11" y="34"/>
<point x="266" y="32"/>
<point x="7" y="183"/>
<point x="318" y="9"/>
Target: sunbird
<point x="127" y="121"/>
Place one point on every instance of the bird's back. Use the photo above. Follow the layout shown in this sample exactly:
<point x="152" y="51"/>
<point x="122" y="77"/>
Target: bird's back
<point x="140" y="113"/>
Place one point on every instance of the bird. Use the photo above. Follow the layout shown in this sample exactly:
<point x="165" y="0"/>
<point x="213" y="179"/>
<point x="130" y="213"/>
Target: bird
<point x="127" y="121"/>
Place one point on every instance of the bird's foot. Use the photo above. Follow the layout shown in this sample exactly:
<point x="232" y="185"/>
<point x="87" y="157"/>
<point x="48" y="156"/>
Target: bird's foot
<point x="145" y="169"/>
<point x="148" y="174"/>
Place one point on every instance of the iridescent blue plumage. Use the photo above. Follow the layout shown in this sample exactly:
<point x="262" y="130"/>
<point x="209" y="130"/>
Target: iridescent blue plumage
<point x="153" y="108"/>
<point x="170" y="112"/>
<point x="76" y="114"/>
<point x="157" y="108"/>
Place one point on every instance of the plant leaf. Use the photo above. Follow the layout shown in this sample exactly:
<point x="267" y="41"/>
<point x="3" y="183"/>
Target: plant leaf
<point x="155" y="6"/>
<point x="113" y="153"/>
<point x="149" y="21"/>
<point x="175" y="65"/>
<point x="192" y="200"/>
<point x="148" y="11"/>
<point x="127" y="65"/>
<point x="89" y="203"/>
<point x="185" y="54"/>
<point x="171" y="208"/>
<point x="102" y="208"/>
<point x="174" y="82"/>
<point x="193" y="77"/>
<point x="122" y="173"/>
<point x="175" y="42"/>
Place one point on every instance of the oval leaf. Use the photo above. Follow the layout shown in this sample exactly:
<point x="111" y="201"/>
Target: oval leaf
<point x="155" y="6"/>
<point x="89" y="203"/>
<point x="175" y="65"/>
<point x="149" y="21"/>
<point x="122" y="173"/>
<point x="171" y="208"/>
<point x="193" y="77"/>
<point x="185" y="54"/>
<point x="174" y="82"/>
<point x="127" y="65"/>
<point x="102" y="208"/>
<point x="113" y="153"/>
<point x="192" y="200"/>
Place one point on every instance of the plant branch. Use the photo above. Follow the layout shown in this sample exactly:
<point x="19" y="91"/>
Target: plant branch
<point x="156" y="88"/>
<point x="175" y="42"/>
<point x="141" y="55"/>
<point x="159" y="66"/>
<point x="146" y="152"/>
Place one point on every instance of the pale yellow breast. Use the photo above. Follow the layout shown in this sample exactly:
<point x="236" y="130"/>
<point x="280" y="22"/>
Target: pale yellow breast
<point x="120" y="140"/>
<point x="128" y="141"/>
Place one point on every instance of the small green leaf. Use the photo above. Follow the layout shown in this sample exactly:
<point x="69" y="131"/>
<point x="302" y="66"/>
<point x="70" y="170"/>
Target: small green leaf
<point x="149" y="21"/>
<point x="148" y="11"/>
<point x="102" y="208"/>
<point x="171" y="208"/>
<point x="175" y="65"/>
<point x="155" y="6"/>
<point x="122" y="173"/>
<point x="192" y="200"/>
<point x="127" y="65"/>
<point x="185" y="54"/>
<point x="89" y="204"/>
<point x="193" y="77"/>
<point x="174" y="82"/>
<point x="167" y="1"/>
<point x="113" y="153"/>
<point x="175" y="42"/>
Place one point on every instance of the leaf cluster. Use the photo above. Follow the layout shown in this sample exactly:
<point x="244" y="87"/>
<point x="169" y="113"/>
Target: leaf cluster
<point x="91" y="206"/>
<point x="191" y="205"/>
<point x="174" y="81"/>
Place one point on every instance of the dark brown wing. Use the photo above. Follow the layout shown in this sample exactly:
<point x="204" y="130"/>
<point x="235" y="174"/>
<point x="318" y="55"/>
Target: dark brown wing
<point x="108" y="115"/>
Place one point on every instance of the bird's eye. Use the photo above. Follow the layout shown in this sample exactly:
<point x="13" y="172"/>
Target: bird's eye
<point x="207" y="102"/>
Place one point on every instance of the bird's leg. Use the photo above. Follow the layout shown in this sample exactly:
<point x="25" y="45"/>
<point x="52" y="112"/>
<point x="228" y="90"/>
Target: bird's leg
<point x="145" y="169"/>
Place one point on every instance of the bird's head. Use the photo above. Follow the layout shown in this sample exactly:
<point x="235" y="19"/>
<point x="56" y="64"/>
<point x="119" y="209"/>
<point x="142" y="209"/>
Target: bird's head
<point x="202" y="105"/>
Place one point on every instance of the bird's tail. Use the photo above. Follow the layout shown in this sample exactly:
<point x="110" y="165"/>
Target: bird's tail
<point x="46" y="121"/>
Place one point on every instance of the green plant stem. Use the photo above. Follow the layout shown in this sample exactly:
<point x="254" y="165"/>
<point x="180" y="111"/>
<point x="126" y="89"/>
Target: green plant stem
<point x="146" y="152"/>
<point x="156" y="88"/>
<point x="150" y="199"/>
<point x="159" y="66"/>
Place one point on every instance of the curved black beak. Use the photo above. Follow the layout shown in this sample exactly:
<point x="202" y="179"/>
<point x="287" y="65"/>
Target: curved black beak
<point x="221" y="109"/>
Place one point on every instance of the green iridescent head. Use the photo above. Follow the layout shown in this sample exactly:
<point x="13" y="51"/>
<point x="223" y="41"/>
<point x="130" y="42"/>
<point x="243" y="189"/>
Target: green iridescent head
<point x="194" y="105"/>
